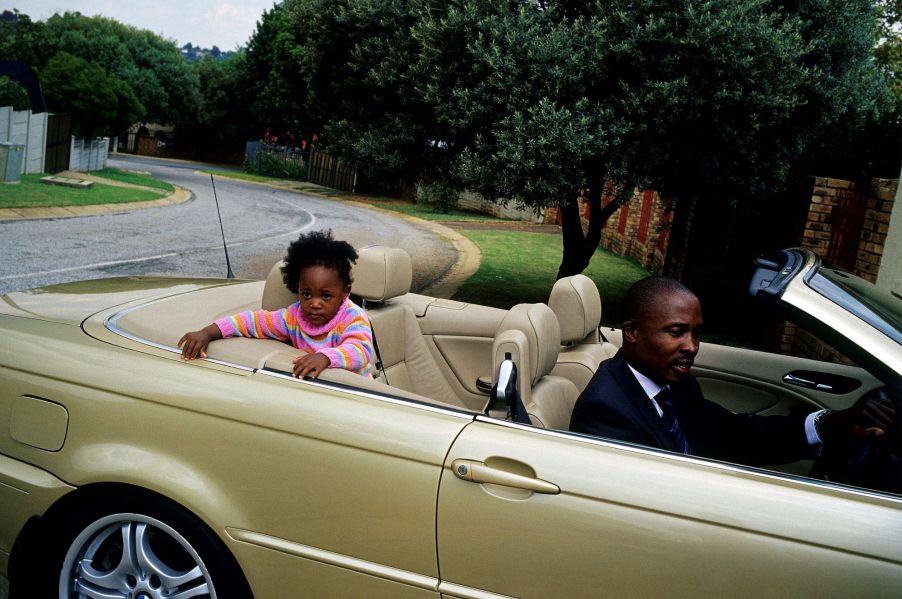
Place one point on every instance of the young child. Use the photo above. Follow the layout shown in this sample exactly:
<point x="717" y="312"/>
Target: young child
<point x="324" y="322"/>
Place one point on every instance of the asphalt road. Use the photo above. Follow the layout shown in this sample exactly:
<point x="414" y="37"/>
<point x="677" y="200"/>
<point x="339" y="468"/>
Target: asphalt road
<point x="185" y="239"/>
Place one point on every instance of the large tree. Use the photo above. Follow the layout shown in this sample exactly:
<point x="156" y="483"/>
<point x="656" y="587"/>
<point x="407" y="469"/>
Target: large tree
<point x="99" y="102"/>
<point x="152" y="67"/>
<point x="712" y="103"/>
<point x="684" y="97"/>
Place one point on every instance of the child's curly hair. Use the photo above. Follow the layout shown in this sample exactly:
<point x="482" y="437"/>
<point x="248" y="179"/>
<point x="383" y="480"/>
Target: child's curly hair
<point x="317" y="248"/>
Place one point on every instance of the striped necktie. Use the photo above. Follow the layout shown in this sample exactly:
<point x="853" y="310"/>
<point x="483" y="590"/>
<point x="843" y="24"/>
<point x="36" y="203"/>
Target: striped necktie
<point x="665" y="401"/>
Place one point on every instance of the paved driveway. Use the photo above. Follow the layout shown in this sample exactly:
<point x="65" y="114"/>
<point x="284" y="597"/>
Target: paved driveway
<point x="185" y="239"/>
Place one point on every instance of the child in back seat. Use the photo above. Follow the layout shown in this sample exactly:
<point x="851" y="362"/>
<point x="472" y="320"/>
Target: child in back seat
<point x="324" y="321"/>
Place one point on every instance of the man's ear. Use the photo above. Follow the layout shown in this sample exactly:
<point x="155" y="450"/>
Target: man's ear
<point x="629" y="331"/>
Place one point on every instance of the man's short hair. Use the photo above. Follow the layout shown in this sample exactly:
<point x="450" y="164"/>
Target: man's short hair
<point x="644" y="294"/>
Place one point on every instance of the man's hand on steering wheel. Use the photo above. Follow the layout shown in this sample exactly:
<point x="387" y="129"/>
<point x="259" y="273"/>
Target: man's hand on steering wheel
<point x="872" y="416"/>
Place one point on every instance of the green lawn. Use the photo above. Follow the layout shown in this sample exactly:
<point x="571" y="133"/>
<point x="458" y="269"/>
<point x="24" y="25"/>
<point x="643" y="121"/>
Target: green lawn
<point x="520" y="267"/>
<point x="31" y="193"/>
<point x="239" y="175"/>
<point x="134" y="178"/>
<point x="428" y="213"/>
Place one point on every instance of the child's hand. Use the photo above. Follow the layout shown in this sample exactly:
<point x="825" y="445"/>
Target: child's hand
<point x="311" y="364"/>
<point x="194" y="343"/>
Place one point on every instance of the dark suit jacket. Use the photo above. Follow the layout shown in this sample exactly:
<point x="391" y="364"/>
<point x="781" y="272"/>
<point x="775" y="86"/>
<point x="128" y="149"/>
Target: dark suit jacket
<point x="615" y="406"/>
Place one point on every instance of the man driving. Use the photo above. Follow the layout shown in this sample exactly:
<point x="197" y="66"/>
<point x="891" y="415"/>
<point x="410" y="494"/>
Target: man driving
<point x="645" y="393"/>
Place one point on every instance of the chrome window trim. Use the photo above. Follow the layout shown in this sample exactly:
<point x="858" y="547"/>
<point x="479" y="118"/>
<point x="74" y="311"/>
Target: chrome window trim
<point x="111" y="323"/>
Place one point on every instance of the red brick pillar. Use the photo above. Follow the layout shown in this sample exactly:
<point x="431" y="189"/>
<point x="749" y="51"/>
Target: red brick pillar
<point x="875" y="227"/>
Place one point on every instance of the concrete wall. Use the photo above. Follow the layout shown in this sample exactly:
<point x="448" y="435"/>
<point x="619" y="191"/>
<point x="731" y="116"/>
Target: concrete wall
<point x="89" y="155"/>
<point x="28" y="129"/>
<point x="476" y="203"/>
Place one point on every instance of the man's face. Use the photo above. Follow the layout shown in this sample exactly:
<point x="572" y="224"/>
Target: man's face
<point x="663" y="343"/>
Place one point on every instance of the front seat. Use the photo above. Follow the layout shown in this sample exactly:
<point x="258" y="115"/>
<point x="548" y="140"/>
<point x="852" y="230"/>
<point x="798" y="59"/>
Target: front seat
<point x="530" y="336"/>
<point x="577" y="304"/>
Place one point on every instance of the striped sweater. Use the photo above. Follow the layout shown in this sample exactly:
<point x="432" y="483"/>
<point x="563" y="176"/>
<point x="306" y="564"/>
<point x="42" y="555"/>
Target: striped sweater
<point x="347" y="339"/>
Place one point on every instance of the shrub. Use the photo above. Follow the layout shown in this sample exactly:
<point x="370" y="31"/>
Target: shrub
<point x="442" y="198"/>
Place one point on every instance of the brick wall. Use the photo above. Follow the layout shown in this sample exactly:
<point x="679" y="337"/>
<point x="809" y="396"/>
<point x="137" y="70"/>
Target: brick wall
<point x="875" y="228"/>
<point x="627" y="233"/>
<point x="639" y="229"/>
<point x="849" y="229"/>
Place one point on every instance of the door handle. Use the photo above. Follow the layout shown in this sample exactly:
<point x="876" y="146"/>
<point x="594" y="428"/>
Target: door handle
<point x="797" y="380"/>
<point x="478" y="472"/>
<point x="822" y="381"/>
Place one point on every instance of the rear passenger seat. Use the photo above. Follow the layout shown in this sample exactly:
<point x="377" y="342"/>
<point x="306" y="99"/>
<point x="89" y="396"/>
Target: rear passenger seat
<point x="381" y="274"/>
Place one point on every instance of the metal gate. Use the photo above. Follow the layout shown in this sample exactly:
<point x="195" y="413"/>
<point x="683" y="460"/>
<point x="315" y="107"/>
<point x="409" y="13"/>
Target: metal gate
<point x="848" y="221"/>
<point x="59" y="131"/>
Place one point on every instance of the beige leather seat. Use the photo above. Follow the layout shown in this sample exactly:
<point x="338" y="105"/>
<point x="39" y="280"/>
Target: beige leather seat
<point x="577" y="304"/>
<point x="531" y="335"/>
<point x="380" y="274"/>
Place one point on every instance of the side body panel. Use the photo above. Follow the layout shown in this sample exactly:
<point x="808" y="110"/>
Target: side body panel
<point x="634" y="523"/>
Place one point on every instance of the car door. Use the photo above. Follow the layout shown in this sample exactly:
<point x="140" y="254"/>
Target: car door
<point x="755" y="382"/>
<point x="525" y="512"/>
<point x="749" y="381"/>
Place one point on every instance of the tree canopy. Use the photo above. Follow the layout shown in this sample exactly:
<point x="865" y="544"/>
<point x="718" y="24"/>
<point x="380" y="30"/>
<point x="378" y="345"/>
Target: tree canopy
<point x="13" y="94"/>
<point x="145" y="72"/>
<point x="715" y="104"/>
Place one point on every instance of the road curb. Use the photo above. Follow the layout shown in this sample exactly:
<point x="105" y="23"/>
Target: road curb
<point x="446" y="284"/>
<point x="179" y="196"/>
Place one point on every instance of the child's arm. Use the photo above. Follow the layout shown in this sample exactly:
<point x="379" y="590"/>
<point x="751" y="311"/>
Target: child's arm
<point x="195" y="343"/>
<point x="354" y="349"/>
<point x="260" y="324"/>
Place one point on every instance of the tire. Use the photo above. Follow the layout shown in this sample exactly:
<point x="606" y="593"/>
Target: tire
<point x="169" y="551"/>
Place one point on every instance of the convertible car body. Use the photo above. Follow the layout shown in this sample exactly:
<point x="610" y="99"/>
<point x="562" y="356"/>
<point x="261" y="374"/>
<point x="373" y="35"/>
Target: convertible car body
<point x="126" y="472"/>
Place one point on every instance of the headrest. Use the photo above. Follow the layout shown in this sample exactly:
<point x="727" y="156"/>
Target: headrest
<point x="275" y="295"/>
<point x="381" y="273"/>
<point x="538" y="324"/>
<point x="577" y="305"/>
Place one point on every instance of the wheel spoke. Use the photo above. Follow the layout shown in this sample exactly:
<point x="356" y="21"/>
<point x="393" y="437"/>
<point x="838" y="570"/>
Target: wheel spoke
<point x="193" y="592"/>
<point x="152" y="564"/>
<point x="126" y="566"/>
<point x="92" y="592"/>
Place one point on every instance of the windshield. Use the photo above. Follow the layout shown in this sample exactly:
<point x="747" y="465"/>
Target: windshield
<point x="878" y="307"/>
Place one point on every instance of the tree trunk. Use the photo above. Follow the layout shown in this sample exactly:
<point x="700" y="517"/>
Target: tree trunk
<point x="579" y="247"/>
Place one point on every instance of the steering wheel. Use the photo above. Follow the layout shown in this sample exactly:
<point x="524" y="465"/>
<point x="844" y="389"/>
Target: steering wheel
<point x="868" y="462"/>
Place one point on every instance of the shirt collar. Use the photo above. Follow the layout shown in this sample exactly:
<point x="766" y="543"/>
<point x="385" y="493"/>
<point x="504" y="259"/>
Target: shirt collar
<point x="650" y="387"/>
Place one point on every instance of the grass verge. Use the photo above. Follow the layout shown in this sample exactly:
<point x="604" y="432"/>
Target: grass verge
<point x="31" y="193"/>
<point x="122" y="176"/>
<point x="520" y="267"/>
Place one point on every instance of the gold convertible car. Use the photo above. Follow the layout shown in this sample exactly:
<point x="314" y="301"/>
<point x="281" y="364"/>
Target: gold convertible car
<point x="126" y="472"/>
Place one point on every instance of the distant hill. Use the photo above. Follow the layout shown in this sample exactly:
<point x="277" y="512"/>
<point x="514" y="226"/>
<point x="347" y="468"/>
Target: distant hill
<point x="194" y="53"/>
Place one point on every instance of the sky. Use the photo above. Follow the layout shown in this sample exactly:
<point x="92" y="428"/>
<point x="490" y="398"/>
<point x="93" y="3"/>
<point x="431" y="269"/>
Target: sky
<point x="204" y="23"/>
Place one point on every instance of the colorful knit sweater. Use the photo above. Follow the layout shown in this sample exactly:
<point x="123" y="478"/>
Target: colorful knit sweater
<point x="347" y="339"/>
